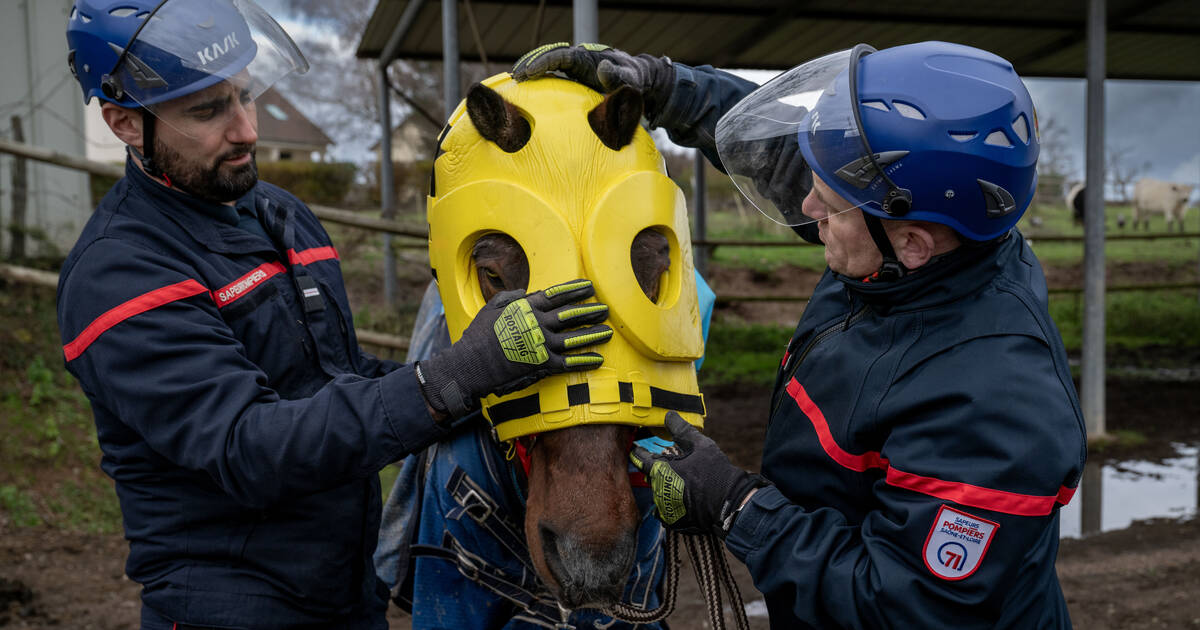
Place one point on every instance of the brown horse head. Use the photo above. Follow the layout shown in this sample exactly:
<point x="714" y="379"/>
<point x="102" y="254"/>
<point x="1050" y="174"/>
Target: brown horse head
<point x="581" y="520"/>
<point x="580" y="517"/>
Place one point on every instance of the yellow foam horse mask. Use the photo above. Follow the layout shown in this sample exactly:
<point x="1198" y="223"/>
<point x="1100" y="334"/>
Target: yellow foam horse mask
<point x="572" y="177"/>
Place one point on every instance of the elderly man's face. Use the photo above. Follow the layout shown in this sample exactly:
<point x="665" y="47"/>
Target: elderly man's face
<point x="204" y="142"/>
<point x="849" y="249"/>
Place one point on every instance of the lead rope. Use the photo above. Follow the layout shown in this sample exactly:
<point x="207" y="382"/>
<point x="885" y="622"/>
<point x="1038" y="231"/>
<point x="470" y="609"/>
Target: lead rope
<point x="712" y="574"/>
<point x="634" y="615"/>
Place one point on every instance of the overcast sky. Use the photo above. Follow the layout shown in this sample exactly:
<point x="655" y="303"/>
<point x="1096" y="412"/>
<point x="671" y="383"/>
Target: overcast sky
<point x="1156" y="121"/>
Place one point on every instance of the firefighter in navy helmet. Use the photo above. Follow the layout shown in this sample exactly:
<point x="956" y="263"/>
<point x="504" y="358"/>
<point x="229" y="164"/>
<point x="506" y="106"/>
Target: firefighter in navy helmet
<point x="205" y="316"/>
<point x="924" y="429"/>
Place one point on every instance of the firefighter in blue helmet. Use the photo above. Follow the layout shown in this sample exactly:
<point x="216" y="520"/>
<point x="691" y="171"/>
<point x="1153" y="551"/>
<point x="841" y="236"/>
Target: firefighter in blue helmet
<point x="924" y="429"/>
<point x="204" y="314"/>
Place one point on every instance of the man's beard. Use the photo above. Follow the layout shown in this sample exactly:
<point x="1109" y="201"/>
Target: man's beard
<point x="219" y="182"/>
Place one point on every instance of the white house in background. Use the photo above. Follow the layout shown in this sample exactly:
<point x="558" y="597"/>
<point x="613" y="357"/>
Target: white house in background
<point x="412" y="141"/>
<point x="284" y="134"/>
<point x="40" y="92"/>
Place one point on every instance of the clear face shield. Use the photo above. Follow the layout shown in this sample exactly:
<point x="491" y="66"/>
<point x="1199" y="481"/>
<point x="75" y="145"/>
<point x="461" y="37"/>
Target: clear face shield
<point x="803" y="121"/>
<point x="195" y="64"/>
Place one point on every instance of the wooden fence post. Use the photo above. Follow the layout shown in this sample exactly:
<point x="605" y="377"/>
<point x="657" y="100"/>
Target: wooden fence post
<point x="20" y="196"/>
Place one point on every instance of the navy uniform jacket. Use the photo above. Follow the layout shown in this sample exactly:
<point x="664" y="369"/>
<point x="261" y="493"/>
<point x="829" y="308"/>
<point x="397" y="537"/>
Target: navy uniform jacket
<point x="923" y="435"/>
<point x="235" y="410"/>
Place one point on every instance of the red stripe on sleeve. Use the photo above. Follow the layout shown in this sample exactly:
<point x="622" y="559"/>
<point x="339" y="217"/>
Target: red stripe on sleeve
<point x="974" y="496"/>
<point x="958" y="492"/>
<point x="136" y="306"/>
<point x="859" y="463"/>
<point x="310" y="256"/>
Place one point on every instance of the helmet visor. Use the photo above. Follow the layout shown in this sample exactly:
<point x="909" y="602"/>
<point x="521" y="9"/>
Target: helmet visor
<point x="764" y="141"/>
<point x="221" y="53"/>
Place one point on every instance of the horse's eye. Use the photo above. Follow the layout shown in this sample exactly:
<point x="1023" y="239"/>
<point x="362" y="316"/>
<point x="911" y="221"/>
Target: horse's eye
<point x="494" y="278"/>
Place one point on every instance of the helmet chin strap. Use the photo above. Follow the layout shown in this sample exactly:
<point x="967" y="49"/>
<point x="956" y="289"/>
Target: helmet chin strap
<point x="891" y="269"/>
<point x="146" y="155"/>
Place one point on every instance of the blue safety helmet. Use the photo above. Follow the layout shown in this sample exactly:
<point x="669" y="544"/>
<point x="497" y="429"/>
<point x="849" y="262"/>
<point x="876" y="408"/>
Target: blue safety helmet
<point x="139" y="53"/>
<point x="931" y="131"/>
<point x="954" y="130"/>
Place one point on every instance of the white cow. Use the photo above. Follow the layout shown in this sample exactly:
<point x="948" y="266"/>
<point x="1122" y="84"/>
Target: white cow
<point x="1153" y="196"/>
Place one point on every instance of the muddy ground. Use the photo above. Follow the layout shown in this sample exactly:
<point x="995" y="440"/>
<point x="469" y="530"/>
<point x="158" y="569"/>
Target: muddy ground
<point x="1143" y="577"/>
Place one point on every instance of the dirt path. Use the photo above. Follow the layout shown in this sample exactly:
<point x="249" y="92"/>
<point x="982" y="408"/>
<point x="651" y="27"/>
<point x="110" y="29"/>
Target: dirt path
<point x="1147" y="576"/>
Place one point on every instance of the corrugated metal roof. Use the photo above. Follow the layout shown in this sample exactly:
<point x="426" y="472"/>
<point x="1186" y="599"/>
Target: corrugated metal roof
<point x="1147" y="39"/>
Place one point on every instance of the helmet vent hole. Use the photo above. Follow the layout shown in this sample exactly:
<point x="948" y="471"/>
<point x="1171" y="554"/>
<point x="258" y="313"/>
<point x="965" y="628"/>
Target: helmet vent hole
<point x="74" y="11"/>
<point x="880" y="105"/>
<point x="908" y="111"/>
<point x="1021" y="128"/>
<point x="997" y="139"/>
<point x="963" y="136"/>
<point x="122" y="12"/>
<point x="85" y="17"/>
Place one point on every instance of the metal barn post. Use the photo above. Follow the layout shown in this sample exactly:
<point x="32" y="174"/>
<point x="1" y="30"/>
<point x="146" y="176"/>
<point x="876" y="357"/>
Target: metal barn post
<point x="1091" y="499"/>
<point x="586" y="21"/>
<point x="450" y="89"/>
<point x="387" y="184"/>
<point x="701" y="208"/>
<point x="1092" y="373"/>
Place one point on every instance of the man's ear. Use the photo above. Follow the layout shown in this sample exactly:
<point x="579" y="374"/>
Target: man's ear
<point x="914" y="244"/>
<point x="125" y="123"/>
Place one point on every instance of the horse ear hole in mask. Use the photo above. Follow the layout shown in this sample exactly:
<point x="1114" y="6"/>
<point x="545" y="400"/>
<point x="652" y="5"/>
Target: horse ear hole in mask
<point x="500" y="263"/>
<point x="650" y="256"/>
<point x="496" y="119"/>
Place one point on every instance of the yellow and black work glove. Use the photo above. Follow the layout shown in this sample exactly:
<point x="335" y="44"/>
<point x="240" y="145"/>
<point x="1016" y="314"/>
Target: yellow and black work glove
<point x="515" y="341"/>
<point x="696" y="490"/>
<point x="603" y="69"/>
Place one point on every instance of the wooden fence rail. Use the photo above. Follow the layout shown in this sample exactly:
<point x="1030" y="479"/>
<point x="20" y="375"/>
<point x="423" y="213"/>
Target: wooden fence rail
<point x="355" y="219"/>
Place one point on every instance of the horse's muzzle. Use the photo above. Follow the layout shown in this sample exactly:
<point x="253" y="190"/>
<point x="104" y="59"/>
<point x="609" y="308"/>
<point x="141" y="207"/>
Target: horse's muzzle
<point x="591" y="576"/>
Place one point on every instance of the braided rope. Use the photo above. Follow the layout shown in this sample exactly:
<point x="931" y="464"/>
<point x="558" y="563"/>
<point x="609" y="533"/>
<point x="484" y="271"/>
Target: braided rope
<point x="702" y="561"/>
<point x="712" y="574"/>
<point x="726" y="575"/>
<point x="631" y="614"/>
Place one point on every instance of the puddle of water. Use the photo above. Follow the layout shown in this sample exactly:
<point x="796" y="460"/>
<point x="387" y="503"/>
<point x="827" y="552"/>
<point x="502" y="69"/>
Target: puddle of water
<point x="1113" y="496"/>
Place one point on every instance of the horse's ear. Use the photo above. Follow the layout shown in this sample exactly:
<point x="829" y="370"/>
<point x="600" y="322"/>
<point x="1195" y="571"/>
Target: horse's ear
<point x="617" y="117"/>
<point x="496" y="119"/>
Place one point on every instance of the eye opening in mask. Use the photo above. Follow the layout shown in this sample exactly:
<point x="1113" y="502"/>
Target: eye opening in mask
<point x="650" y="257"/>
<point x="499" y="263"/>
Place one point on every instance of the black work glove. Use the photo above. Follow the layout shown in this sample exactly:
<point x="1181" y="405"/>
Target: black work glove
<point x="697" y="490"/>
<point x="603" y="69"/>
<point x="514" y="341"/>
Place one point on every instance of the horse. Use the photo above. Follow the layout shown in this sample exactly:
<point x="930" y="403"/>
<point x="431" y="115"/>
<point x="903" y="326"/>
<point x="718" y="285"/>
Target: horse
<point x="587" y="540"/>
